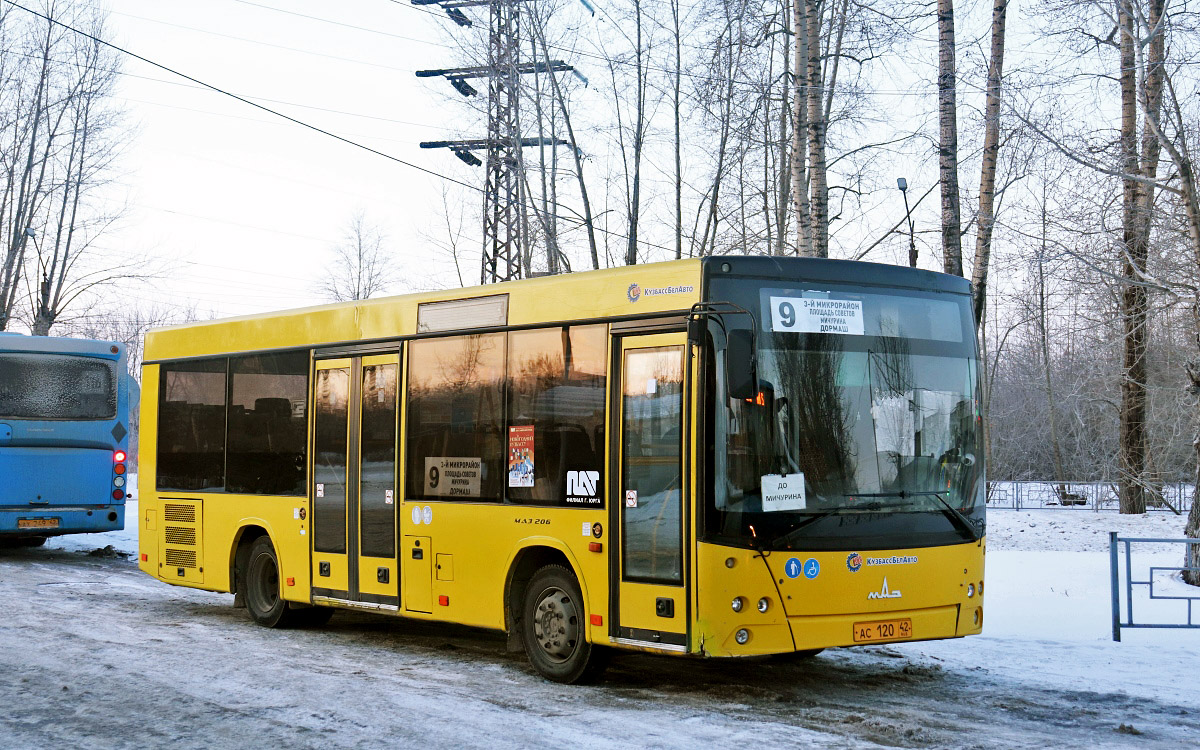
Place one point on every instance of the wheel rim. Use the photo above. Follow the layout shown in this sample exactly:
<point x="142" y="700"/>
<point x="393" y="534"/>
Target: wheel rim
<point x="556" y="624"/>
<point x="264" y="583"/>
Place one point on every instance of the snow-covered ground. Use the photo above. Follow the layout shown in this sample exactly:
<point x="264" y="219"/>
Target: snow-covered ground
<point x="93" y="654"/>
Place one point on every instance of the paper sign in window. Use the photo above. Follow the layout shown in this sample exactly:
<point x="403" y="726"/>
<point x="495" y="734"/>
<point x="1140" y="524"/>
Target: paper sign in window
<point x="810" y="315"/>
<point x="452" y="477"/>
<point x="520" y="456"/>
<point x="783" y="492"/>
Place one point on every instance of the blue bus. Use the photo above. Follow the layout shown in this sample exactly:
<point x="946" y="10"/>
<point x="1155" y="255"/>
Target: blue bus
<point x="64" y="436"/>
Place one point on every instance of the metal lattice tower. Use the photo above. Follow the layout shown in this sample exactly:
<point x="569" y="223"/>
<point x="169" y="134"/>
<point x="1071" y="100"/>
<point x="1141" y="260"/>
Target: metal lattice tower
<point x="504" y="220"/>
<point x="504" y="194"/>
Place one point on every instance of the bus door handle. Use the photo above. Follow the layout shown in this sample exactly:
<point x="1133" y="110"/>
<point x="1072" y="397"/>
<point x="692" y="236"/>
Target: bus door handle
<point x="418" y="554"/>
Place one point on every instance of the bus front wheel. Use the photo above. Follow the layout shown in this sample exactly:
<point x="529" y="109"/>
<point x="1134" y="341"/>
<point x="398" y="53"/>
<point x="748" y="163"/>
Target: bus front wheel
<point x="553" y="628"/>
<point x="263" y="601"/>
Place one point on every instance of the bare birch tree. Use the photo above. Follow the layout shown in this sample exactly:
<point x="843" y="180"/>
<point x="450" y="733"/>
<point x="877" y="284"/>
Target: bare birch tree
<point x="360" y="267"/>
<point x="987" y="175"/>
<point x="59" y="141"/>
<point x="948" y="140"/>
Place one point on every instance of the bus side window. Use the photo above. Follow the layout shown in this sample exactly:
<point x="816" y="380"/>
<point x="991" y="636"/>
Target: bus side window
<point x="556" y="415"/>
<point x="456" y="418"/>
<point x="267" y="446"/>
<point x="191" y="425"/>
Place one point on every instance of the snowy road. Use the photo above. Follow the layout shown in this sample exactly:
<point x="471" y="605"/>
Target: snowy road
<point x="94" y="654"/>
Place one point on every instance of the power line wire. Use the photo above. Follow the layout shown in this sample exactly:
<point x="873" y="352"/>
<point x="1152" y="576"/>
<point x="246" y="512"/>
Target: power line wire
<point x="267" y="44"/>
<point x="302" y="123"/>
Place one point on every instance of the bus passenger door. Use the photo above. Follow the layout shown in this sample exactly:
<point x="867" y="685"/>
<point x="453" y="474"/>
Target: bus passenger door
<point x="354" y="470"/>
<point x="378" y="573"/>
<point x="651" y="598"/>
<point x="331" y="490"/>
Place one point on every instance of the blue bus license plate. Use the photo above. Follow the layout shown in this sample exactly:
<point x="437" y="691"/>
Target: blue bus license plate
<point x="37" y="523"/>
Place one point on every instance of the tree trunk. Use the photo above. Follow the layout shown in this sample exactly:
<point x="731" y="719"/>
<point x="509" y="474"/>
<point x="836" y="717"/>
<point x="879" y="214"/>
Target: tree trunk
<point x="561" y="100"/>
<point x="948" y="141"/>
<point x="676" y="90"/>
<point x="1137" y="204"/>
<point x="987" y="176"/>
<point x="1192" y="528"/>
<point x="800" y="130"/>
<point x="638" y="140"/>
<point x="783" y="196"/>
<point x="1044" y="336"/>
<point x="817" y="124"/>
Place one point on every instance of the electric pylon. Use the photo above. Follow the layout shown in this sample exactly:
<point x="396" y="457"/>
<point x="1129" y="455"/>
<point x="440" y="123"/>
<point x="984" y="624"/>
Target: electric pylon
<point x="504" y="221"/>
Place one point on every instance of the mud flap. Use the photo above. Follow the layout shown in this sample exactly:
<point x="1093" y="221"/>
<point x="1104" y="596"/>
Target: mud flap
<point x="515" y="644"/>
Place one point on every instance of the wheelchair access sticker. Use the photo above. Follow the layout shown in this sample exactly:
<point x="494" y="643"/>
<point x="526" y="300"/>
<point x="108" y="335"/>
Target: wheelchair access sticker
<point x="811" y="568"/>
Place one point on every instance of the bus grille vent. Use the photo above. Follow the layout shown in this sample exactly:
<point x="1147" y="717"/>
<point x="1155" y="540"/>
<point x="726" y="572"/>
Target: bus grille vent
<point x="180" y="535"/>
<point x="181" y="558"/>
<point x="179" y="513"/>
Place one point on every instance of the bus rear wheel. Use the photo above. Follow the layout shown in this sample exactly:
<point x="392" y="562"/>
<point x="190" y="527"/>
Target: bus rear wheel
<point x="553" y="628"/>
<point x="261" y="585"/>
<point x="22" y="541"/>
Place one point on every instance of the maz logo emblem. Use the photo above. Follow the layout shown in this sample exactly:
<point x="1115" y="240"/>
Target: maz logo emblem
<point x="582" y="483"/>
<point x="885" y="593"/>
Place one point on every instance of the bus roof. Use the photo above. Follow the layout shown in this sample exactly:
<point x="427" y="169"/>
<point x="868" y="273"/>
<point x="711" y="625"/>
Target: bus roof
<point x="61" y="345"/>
<point x="589" y="295"/>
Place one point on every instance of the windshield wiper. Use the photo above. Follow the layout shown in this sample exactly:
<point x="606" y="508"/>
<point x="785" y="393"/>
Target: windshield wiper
<point x="954" y="514"/>
<point x="785" y="537"/>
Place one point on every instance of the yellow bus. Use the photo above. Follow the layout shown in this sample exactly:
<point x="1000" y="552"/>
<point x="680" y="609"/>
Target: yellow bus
<point x="730" y="456"/>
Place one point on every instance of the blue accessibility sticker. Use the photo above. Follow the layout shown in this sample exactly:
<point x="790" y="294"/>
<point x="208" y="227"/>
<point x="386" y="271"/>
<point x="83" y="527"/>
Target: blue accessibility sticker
<point x="792" y="568"/>
<point x="812" y="568"/>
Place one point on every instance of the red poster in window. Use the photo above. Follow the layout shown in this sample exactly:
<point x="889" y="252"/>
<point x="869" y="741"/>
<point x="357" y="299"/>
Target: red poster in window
<point x="520" y="456"/>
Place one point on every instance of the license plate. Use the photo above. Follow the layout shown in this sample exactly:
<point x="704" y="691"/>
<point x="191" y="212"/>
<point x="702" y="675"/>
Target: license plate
<point x="882" y="630"/>
<point x="37" y="523"/>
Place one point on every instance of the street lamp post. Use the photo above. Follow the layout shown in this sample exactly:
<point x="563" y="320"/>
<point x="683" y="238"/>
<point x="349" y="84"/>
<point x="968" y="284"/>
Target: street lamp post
<point x="912" y="245"/>
<point x="43" y="299"/>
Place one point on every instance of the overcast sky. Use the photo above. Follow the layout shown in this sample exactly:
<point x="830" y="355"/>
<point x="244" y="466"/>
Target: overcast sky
<point x="245" y="204"/>
<point x="246" y="207"/>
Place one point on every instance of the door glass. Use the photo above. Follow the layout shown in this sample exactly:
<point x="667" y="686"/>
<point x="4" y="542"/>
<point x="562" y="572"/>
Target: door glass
<point x="329" y="461"/>
<point x="652" y="478"/>
<point x="378" y="450"/>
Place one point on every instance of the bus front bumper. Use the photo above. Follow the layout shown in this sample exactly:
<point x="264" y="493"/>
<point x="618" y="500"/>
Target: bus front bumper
<point x="53" y="520"/>
<point x="755" y="637"/>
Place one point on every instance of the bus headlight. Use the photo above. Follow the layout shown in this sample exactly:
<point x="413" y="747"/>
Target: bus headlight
<point x="737" y="603"/>
<point x="970" y="590"/>
<point x="764" y="604"/>
<point x="742" y="636"/>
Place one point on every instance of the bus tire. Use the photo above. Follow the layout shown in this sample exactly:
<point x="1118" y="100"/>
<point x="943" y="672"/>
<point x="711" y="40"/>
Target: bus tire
<point x="263" y="602"/>
<point x="554" y="628"/>
<point x="22" y="541"/>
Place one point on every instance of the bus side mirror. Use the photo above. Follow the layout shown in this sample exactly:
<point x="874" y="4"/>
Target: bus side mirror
<point x="741" y="377"/>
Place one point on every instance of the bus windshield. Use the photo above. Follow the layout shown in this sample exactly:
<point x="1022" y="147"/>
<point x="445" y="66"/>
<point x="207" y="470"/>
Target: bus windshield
<point x="42" y="386"/>
<point x="866" y="427"/>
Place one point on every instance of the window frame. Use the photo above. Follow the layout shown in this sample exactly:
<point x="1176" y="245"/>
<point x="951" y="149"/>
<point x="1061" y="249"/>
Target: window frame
<point x="165" y="366"/>
<point x="505" y="497"/>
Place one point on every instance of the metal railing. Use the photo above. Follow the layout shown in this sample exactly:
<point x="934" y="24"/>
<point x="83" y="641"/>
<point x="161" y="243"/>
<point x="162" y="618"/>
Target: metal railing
<point x="1187" y="597"/>
<point x="1097" y="496"/>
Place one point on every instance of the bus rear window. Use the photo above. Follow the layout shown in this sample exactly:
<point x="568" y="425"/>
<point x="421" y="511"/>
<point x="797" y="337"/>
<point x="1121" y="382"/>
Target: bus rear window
<point x="57" y="386"/>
